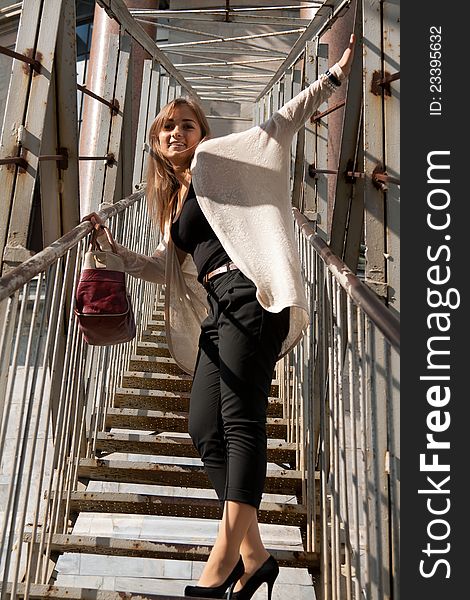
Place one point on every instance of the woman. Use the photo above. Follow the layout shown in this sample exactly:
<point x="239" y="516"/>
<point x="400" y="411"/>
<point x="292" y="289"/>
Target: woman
<point x="233" y="283"/>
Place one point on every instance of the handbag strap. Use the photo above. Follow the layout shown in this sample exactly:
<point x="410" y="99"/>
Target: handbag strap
<point x="94" y="240"/>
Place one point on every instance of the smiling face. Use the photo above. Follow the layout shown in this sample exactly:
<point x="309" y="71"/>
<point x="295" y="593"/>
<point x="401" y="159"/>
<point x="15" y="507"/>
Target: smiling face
<point x="179" y="135"/>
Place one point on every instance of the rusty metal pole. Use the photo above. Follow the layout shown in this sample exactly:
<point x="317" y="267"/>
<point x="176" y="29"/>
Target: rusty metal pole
<point x="337" y="39"/>
<point x="137" y="63"/>
<point x="103" y="28"/>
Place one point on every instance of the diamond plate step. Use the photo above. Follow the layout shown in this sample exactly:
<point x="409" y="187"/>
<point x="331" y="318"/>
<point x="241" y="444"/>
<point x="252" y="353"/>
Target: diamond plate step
<point x="88" y="544"/>
<point x="197" y="508"/>
<point x="191" y="476"/>
<point x="35" y="591"/>
<point x="169" y="382"/>
<point x="157" y="381"/>
<point x="154" y="335"/>
<point x="166" y="400"/>
<point x="153" y="420"/>
<point x="153" y="349"/>
<point x="154" y="364"/>
<point x="158" y="445"/>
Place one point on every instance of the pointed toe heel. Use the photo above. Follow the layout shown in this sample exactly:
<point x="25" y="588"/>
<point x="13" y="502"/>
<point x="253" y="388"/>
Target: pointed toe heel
<point x="267" y="573"/>
<point x="198" y="591"/>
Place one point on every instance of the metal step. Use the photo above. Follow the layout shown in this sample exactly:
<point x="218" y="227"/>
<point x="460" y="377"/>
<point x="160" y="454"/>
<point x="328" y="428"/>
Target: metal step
<point x="152" y="349"/>
<point x="157" y="335"/>
<point x="154" y="364"/>
<point x="153" y="420"/>
<point x="158" y="445"/>
<point x="157" y="381"/>
<point x="189" y="476"/>
<point x="164" y="400"/>
<point x="35" y="590"/>
<point x="169" y="382"/>
<point x="197" y="508"/>
<point x="151" y="399"/>
<point x="88" y="544"/>
<point x="156" y="323"/>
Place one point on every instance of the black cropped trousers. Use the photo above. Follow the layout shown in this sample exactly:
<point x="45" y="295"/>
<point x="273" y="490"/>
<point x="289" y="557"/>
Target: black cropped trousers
<point x="238" y="349"/>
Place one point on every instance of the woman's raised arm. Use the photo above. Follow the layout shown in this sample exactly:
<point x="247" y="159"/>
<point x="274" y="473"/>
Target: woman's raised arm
<point x="288" y="119"/>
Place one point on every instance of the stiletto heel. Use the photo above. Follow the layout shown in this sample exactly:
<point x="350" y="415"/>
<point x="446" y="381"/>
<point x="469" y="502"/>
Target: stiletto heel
<point x="229" y="594"/>
<point x="270" y="589"/>
<point x="198" y="591"/>
<point x="267" y="573"/>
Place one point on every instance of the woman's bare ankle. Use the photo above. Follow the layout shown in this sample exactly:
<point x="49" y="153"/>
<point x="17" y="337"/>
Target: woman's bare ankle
<point x="217" y="569"/>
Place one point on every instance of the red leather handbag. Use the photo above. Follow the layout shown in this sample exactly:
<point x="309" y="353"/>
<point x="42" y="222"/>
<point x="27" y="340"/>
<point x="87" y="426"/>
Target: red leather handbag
<point x="102" y="305"/>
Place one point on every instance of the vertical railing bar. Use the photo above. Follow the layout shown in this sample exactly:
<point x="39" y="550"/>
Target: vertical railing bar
<point x="62" y="420"/>
<point x="336" y="410"/>
<point x="49" y="298"/>
<point x="10" y="318"/>
<point x="146" y="287"/>
<point x="363" y="431"/>
<point x="353" y="370"/>
<point x="393" y="477"/>
<point x="8" y="311"/>
<point x="65" y="432"/>
<point x="311" y="397"/>
<point x="42" y="556"/>
<point x="295" y="384"/>
<point x="309" y="497"/>
<point x="331" y="416"/>
<point x="98" y="391"/>
<point x="46" y="412"/>
<point x="73" y="395"/>
<point x="76" y="440"/>
<point x="378" y="579"/>
<point x="82" y="431"/>
<point x="23" y="430"/>
<point x="110" y="380"/>
<point x="324" y="433"/>
<point x="111" y="358"/>
<point x="342" y="441"/>
<point x="311" y="394"/>
<point x="7" y="519"/>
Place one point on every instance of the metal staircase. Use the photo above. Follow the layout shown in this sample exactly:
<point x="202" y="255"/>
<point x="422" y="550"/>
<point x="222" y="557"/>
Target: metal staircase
<point x="147" y="418"/>
<point x="103" y="431"/>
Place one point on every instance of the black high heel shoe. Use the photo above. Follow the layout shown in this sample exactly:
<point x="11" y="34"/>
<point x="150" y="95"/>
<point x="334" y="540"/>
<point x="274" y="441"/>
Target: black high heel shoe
<point x="198" y="591"/>
<point x="267" y="573"/>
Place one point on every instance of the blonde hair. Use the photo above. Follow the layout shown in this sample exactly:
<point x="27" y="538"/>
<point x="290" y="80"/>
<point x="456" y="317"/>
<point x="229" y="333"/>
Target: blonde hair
<point x="162" y="184"/>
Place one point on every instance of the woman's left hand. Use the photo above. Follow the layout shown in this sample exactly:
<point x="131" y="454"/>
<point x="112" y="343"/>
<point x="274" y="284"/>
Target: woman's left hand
<point x="348" y="55"/>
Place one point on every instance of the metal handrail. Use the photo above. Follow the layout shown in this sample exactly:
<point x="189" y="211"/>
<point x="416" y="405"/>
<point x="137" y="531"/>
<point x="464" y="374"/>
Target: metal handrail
<point x="362" y="295"/>
<point x="30" y="268"/>
<point x="340" y="388"/>
<point x="62" y="386"/>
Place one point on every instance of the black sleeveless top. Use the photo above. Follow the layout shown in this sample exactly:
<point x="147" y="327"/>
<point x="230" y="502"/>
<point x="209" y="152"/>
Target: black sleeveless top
<point x="192" y="233"/>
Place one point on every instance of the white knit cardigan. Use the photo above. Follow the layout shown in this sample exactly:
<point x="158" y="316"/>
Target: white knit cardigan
<point x="242" y="185"/>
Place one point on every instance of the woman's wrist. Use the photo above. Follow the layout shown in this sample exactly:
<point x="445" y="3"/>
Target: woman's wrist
<point x="333" y="77"/>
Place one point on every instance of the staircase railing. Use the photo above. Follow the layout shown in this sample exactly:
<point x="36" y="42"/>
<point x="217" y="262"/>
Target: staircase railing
<point x="343" y="408"/>
<point x="55" y="388"/>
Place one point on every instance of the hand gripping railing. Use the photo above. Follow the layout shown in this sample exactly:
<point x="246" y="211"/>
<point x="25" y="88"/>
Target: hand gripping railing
<point x="341" y="399"/>
<point x="55" y="389"/>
